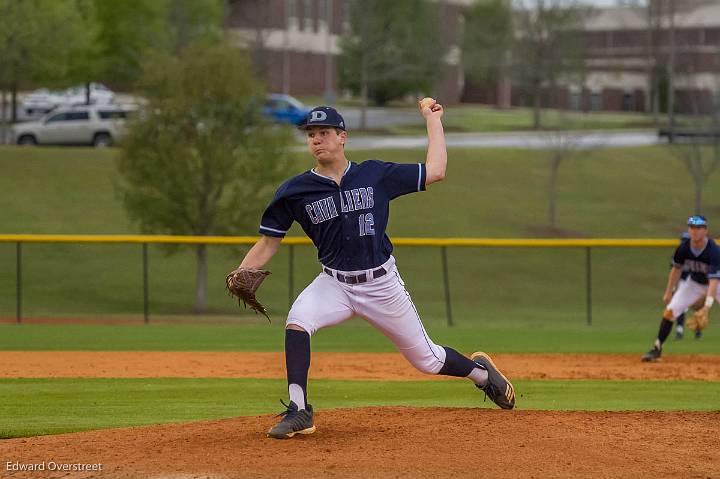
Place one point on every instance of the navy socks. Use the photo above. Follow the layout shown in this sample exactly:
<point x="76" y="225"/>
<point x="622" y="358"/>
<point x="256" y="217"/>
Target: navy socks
<point x="665" y="328"/>
<point x="297" y="362"/>
<point x="456" y="364"/>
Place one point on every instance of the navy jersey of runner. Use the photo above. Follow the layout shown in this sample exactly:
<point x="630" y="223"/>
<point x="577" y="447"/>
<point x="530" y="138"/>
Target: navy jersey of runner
<point x="685" y="273"/>
<point x="346" y="222"/>
<point x="702" y="266"/>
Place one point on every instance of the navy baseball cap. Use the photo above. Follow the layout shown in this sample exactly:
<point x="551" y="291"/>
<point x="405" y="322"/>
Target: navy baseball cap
<point x="323" y="116"/>
<point x="697" y="220"/>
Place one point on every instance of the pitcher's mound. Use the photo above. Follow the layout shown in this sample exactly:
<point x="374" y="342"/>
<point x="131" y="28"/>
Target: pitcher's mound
<point x="396" y="442"/>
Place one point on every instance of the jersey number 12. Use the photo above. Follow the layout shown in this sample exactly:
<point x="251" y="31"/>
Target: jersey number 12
<point x="366" y="223"/>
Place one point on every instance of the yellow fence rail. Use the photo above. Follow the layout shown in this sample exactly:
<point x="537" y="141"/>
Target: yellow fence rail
<point x="437" y="242"/>
<point x="291" y="242"/>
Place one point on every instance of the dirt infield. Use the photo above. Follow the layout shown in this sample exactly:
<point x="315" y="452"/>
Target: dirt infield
<point x="386" y="442"/>
<point x="361" y="366"/>
<point x="394" y="442"/>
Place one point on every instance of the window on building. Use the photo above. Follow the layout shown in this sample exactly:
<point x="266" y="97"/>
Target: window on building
<point x="594" y="39"/>
<point x="574" y="101"/>
<point x="628" y="102"/>
<point x="712" y="36"/>
<point x="629" y="39"/>
<point x="688" y="37"/>
<point x="595" y="101"/>
<point x="292" y="8"/>
<point x="323" y="9"/>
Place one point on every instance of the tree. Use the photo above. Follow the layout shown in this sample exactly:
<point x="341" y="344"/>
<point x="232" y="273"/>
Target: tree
<point x="696" y="144"/>
<point x="487" y="41"/>
<point x="39" y="40"/>
<point x="701" y="158"/>
<point x="561" y="145"/>
<point x="167" y="25"/>
<point x="201" y="160"/>
<point x="541" y="41"/>
<point x="255" y="16"/>
<point x="122" y="39"/>
<point x="654" y="70"/>
<point x="390" y="49"/>
<point x="191" y="21"/>
<point x="699" y="147"/>
<point x="537" y="45"/>
<point x="548" y="47"/>
<point x="84" y="65"/>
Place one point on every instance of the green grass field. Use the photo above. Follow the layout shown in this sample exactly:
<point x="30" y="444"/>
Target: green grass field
<point x="521" y="300"/>
<point x="479" y="119"/>
<point x="353" y="336"/>
<point x="475" y="118"/>
<point x="31" y="407"/>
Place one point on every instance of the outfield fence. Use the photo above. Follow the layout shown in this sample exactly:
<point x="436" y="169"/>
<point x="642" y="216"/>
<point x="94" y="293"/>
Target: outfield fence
<point x="441" y="244"/>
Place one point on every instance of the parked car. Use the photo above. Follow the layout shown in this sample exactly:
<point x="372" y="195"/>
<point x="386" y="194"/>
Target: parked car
<point x="97" y="125"/>
<point x="284" y="109"/>
<point x="42" y="101"/>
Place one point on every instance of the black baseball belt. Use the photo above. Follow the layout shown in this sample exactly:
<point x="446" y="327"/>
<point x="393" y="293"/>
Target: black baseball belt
<point x="357" y="279"/>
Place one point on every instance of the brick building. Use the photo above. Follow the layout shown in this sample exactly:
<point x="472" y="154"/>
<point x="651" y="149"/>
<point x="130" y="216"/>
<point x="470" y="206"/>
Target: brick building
<point x="295" y="44"/>
<point x="628" y="51"/>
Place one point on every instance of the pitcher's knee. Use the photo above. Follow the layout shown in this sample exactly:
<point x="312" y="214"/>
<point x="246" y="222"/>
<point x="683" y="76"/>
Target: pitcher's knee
<point x="427" y="364"/>
<point x="295" y="327"/>
<point x="669" y="315"/>
<point x="425" y="368"/>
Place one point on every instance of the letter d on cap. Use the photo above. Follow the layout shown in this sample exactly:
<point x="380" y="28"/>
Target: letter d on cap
<point x="318" y="115"/>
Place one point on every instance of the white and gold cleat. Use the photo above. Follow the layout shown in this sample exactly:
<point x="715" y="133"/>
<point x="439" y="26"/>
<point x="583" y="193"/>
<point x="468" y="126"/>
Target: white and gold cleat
<point x="498" y="388"/>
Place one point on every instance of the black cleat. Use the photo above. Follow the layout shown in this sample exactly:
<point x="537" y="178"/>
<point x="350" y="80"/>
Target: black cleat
<point x="679" y="333"/>
<point x="295" y="422"/>
<point x="698" y="335"/>
<point x="498" y="388"/>
<point x="652" y="356"/>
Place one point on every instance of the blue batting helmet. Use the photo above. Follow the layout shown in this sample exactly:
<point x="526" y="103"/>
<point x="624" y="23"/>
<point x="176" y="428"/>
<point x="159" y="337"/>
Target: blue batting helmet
<point x="697" y="220"/>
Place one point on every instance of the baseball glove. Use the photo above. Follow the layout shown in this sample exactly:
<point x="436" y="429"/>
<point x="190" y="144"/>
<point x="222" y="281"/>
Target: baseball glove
<point x="242" y="283"/>
<point x="699" y="304"/>
<point x="699" y="320"/>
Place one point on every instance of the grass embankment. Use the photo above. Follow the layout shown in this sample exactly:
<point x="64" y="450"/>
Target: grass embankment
<point x="475" y="118"/>
<point x="482" y="119"/>
<point x="488" y="193"/>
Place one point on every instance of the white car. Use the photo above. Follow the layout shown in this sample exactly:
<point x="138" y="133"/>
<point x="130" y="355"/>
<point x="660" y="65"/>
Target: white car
<point x="42" y="101"/>
<point x="99" y="95"/>
<point x="97" y="125"/>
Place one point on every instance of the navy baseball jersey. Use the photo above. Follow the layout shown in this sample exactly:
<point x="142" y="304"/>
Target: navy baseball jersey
<point x="701" y="264"/>
<point x="346" y="222"/>
<point x="685" y="238"/>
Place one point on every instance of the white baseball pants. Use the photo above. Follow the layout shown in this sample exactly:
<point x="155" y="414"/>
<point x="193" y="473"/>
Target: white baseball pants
<point x="383" y="302"/>
<point x="687" y="294"/>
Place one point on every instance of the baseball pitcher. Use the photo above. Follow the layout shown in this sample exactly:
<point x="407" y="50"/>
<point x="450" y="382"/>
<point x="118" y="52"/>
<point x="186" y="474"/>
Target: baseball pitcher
<point x="344" y="208"/>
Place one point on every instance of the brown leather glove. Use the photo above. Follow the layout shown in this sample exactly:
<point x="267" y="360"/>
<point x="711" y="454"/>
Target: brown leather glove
<point x="699" y="320"/>
<point x="243" y="283"/>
